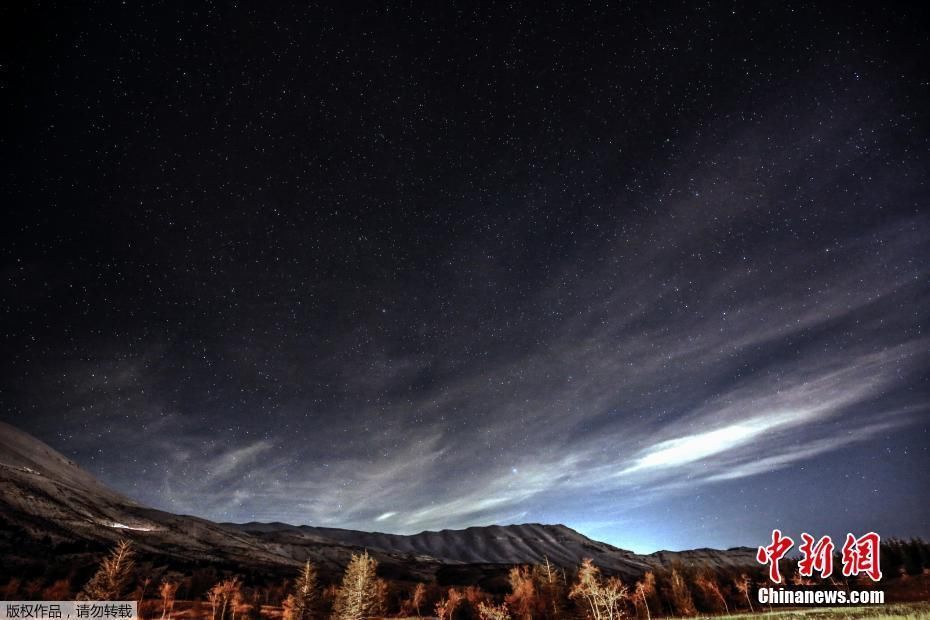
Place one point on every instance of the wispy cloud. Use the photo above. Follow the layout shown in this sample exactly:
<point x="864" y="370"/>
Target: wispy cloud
<point x="684" y="450"/>
<point x="235" y="460"/>
<point x="609" y="405"/>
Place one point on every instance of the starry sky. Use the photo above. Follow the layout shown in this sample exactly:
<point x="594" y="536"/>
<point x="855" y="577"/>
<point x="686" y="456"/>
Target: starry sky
<point x="655" y="271"/>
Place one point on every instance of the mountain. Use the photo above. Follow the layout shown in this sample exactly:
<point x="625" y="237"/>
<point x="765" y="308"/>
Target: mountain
<point x="52" y="510"/>
<point x="529" y="543"/>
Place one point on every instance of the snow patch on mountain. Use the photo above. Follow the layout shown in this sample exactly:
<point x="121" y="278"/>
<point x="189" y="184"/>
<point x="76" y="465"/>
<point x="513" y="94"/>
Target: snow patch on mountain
<point x="136" y="528"/>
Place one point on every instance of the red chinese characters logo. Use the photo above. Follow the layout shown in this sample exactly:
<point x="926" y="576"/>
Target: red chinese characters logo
<point x="816" y="557"/>
<point x="774" y="552"/>
<point x="859" y="555"/>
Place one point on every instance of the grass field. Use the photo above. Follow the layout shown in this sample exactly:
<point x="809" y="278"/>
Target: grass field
<point x="893" y="611"/>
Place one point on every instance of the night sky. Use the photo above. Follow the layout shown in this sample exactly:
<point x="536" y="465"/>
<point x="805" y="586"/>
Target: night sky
<point x="659" y="273"/>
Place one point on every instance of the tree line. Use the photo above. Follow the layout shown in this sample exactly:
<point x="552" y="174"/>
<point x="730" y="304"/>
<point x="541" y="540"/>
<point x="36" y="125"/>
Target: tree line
<point x="543" y="592"/>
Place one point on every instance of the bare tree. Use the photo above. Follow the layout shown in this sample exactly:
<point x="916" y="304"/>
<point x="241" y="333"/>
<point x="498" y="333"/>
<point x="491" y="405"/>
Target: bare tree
<point x="447" y="605"/>
<point x="602" y="598"/>
<point x="110" y="581"/>
<point x="645" y="588"/>
<point x="418" y="597"/>
<point x="488" y="611"/>
<point x="744" y="585"/>
<point x="473" y="595"/>
<point x="707" y="581"/>
<point x="681" y="595"/>
<point x="224" y="598"/>
<point x="303" y="602"/>
<point x="522" y="599"/>
<point x="213" y="595"/>
<point x="361" y="594"/>
<point x="140" y="592"/>
<point x="168" y="590"/>
<point x="551" y="590"/>
<point x="382" y="592"/>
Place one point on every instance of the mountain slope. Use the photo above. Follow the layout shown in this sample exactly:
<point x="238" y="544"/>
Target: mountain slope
<point x="46" y="495"/>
